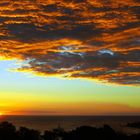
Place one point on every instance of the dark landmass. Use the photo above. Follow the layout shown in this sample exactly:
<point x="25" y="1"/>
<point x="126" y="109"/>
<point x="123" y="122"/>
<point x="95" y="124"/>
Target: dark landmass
<point x="134" y="125"/>
<point x="9" y="132"/>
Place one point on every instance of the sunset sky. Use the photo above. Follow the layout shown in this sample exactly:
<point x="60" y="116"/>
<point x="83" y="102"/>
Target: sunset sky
<point x="70" y="57"/>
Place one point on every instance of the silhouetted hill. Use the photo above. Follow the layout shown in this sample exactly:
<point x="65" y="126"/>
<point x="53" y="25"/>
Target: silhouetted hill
<point x="9" y="132"/>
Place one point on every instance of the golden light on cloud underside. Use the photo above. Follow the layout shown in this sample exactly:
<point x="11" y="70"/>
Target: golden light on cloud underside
<point x="93" y="39"/>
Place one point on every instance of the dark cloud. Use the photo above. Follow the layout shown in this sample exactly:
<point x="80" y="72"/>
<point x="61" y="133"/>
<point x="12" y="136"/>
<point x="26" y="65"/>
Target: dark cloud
<point x="74" y="38"/>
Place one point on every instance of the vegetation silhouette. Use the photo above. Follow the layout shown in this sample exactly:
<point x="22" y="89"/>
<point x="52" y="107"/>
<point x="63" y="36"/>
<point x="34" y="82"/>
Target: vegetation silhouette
<point x="9" y="132"/>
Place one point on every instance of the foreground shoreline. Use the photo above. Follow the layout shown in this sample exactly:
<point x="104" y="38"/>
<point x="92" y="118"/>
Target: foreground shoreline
<point x="49" y="122"/>
<point x="9" y="131"/>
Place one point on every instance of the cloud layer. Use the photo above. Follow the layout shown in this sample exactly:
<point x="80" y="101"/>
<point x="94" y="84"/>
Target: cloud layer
<point x="74" y="38"/>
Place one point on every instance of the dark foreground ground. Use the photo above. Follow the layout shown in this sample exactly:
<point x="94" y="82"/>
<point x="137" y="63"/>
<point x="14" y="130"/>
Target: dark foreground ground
<point x="9" y="132"/>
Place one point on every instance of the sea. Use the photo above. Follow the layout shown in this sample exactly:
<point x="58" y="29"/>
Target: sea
<point x="42" y="123"/>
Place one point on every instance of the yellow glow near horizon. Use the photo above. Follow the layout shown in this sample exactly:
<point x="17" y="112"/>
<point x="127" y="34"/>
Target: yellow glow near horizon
<point x="1" y="113"/>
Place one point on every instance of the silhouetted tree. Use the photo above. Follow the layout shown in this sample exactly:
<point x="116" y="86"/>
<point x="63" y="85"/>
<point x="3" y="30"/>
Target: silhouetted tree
<point x="82" y="133"/>
<point x="49" y="135"/>
<point x="7" y="131"/>
<point x="134" y="137"/>
<point x="107" y="132"/>
<point x="28" y="134"/>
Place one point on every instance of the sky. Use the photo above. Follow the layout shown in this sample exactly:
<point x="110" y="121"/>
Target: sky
<point x="70" y="57"/>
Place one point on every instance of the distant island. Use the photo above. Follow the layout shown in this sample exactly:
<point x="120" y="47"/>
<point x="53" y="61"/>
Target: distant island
<point x="9" y="132"/>
<point x="134" y="125"/>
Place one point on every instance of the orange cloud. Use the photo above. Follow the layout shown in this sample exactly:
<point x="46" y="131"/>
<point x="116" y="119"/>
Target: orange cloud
<point x="73" y="38"/>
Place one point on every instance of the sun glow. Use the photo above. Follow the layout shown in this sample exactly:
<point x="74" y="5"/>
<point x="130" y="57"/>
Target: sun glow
<point x="1" y="113"/>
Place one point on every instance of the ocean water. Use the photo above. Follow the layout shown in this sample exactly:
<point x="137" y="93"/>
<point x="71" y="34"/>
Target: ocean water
<point x="42" y="123"/>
